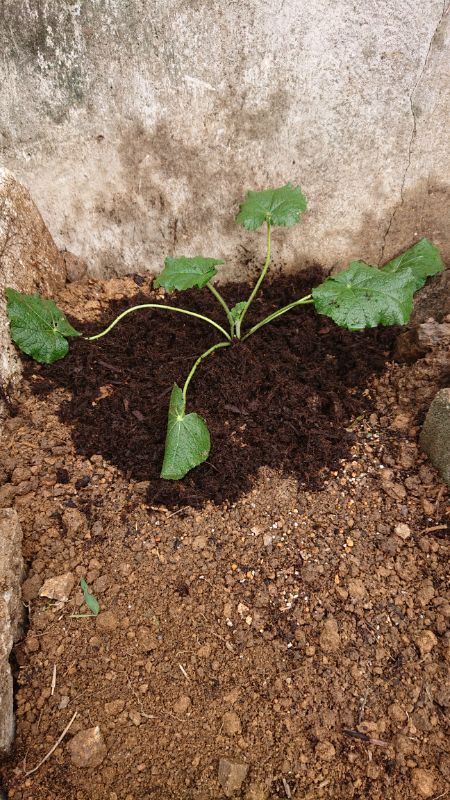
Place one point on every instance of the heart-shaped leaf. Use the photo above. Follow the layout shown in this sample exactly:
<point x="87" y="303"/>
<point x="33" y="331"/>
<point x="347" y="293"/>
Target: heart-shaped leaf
<point x="423" y="259"/>
<point x="187" y="441"/>
<point x="364" y="297"/>
<point x="185" y="273"/>
<point x="281" y="206"/>
<point x="38" y="327"/>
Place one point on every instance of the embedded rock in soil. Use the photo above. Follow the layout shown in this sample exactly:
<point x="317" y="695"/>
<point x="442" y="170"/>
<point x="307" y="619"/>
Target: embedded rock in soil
<point x="29" y="262"/>
<point x="58" y="588"/>
<point x="11" y="613"/>
<point x="87" y="748"/>
<point x="231" y="775"/>
<point x="435" y="436"/>
<point x="433" y="300"/>
<point x="76" y="267"/>
<point x="414" y="343"/>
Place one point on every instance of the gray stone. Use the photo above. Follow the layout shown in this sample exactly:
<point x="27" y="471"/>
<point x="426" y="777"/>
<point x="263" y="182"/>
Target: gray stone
<point x="231" y="775"/>
<point x="137" y="144"/>
<point x="11" y="615"/>
<point x="29" y="262"/>
<point x="435" y="435"/>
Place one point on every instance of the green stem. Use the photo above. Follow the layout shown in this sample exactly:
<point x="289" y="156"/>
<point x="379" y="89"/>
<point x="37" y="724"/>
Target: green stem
<point x="199" y="360"/>
<point x="302" y="302"/>
<point x="158" y="305"/>
<point x="224" y="305"/>
<point x="257" y="285"/>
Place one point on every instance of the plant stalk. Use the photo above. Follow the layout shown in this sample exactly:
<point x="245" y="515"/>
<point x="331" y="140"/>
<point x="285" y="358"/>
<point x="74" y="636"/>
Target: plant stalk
<point x="166" y="308"/>
<point x="257" y="284"/>
<point x="302" y="302"/>
<point x="196" y="364"/>
<point x="224" y="305"/>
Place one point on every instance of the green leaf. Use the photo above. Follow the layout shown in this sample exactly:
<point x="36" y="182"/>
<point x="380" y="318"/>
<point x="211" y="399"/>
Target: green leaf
<point x="187" y="440"/>
<point x="38" y="327"/>
<point x="364" y="297"/>
<point x="423" y="259"/>
<point x="185" y="273"/>
<point x="281" y="206"/>
<point x="237" y="310"/>
<point x="90" y="600"/>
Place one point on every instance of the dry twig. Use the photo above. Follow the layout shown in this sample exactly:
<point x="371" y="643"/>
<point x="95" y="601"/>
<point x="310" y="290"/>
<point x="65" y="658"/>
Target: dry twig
<point x="52" y="750"/>
<point x="53" y="680"/>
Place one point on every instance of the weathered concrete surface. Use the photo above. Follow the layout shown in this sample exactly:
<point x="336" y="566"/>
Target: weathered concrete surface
<point x="11" y="614"/>
<point x="139" y="126"/>
<point x="29" y="261"/>
<point x="435" y="436"/>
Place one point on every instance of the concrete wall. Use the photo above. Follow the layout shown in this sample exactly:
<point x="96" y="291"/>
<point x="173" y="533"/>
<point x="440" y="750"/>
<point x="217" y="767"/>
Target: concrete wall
<point x="138" y="126"/>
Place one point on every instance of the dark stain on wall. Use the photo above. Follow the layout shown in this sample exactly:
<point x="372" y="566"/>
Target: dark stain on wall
<point x="44" y="38"/>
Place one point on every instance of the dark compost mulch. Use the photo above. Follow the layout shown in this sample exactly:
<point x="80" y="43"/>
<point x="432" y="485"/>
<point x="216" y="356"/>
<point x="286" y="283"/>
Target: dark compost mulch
<point x="283" y="399"/>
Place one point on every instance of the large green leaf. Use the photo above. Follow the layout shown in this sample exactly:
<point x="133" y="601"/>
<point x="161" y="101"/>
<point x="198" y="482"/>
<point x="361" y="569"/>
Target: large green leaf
<point x="423" y="259"/>
<point x="185" y="273"/>
<point x="38" y="327"/>
<point x="364" y="297"/>
<point x="281" y="206"/>
<point x="187" y="440"/>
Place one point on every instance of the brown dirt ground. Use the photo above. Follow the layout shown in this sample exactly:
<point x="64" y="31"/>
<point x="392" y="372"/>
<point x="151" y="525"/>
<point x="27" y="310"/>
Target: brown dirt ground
<point x="271" y="626"/>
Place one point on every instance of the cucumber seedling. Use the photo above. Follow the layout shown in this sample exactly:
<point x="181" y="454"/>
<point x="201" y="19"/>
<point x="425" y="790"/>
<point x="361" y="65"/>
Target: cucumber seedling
<point x="359" y="297"/>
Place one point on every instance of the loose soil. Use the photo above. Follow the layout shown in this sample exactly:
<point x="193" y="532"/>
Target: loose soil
<point x="285" y="607"/>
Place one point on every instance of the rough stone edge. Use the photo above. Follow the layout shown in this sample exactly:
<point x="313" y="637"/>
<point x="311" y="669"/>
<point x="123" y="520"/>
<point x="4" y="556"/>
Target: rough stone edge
<point x="435" y="434"/>
<point x="11" y="610"/>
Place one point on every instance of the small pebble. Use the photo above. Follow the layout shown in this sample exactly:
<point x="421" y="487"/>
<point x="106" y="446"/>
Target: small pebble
<point x="87" y="748"/>
<point x="107" y="621"/>
<point x="403" y="531"/>
<point x="425" y="641"/>
<point x="423" y="782"/>
<point x="325" y="751"/>
<point x="182" y="704"/>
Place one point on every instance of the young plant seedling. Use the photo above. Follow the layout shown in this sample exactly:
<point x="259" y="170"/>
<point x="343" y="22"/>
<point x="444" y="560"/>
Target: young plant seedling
<point x="90" y="600"/>
<point x="360" y="297"/>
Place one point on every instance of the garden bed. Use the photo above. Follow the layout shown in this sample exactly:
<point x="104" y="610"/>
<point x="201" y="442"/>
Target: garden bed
<point x="283" y="606"/>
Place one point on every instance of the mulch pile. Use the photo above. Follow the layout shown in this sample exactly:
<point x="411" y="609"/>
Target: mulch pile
<point x="283" y="399"/>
